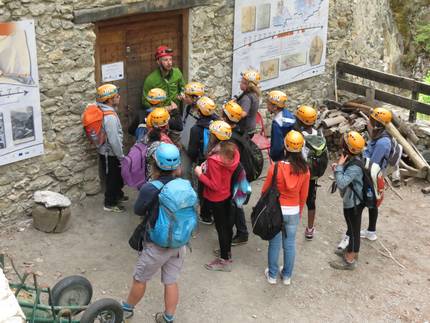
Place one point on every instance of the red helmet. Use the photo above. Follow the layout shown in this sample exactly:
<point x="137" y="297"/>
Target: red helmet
<point x="163" y="51"/>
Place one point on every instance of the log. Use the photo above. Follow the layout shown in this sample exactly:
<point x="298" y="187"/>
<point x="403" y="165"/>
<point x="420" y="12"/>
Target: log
<point x="414" y="156"/>
<point x="330" y="122"/>
<point x="404" y="129"/>
<point x="362" y="107"/>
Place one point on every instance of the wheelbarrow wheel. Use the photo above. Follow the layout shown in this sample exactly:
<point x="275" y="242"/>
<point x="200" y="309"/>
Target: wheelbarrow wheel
<point x="105" y="310"/>
<point x="71" y="290"/>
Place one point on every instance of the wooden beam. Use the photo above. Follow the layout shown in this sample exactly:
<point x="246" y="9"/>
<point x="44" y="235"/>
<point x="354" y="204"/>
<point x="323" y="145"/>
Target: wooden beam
<point x="385" y="78"/>
<point x="383" y="96"/>
<point x="84" y="16"/>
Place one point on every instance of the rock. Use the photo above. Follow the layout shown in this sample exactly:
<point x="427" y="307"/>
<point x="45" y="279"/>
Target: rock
<point x="52" y="199"/>
<point x="51" y="220"/>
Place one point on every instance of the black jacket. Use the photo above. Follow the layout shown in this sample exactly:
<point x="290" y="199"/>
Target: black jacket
<point x="195" y="145"/>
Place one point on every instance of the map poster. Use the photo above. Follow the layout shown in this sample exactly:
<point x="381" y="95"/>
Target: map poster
<point x="20" y="114"/>
<point x="285" y="40"/>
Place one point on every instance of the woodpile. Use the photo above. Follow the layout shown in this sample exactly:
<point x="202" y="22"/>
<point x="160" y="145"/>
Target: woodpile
<point x="335" y="119"/>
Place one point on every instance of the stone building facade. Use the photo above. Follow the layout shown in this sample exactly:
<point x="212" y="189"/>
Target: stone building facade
<point x="360" y="31"/>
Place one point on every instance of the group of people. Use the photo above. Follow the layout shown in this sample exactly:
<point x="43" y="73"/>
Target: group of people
<point x="180" y="123"/>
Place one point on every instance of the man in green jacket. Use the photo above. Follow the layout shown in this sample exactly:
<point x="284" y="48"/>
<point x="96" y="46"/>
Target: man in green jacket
<point x="169" y="79"/>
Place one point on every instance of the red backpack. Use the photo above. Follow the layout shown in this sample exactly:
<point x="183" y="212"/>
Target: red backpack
<point x="92" y="120"/>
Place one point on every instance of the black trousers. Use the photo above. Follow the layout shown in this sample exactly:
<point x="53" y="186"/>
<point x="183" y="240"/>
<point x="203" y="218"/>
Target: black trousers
<point x="353" y="222"/>
<point x="240" y="221"/>
<point x="110" y="175"/>
<point x="224" y="220"/>
<point x="373" y="217"/>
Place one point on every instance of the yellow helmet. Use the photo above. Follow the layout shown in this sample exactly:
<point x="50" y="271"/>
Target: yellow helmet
<point x="278" y="98"/>
<point x="159" y="117"/>
<point x="294" y="141"/>
<point x="156" y="96"/>
<point x="195" y="88"/>
<point x="206" y="106"/>
<point x="306" y="114"/>
<point x="354" y="141"/>
<point x="233" y="111"/>
<point x="220" y="129"/>
<point x="251" y="76"/>
<point x="106" y="92"/>
<point x="381" y="115"/>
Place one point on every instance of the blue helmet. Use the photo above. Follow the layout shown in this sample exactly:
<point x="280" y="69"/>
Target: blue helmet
<point x="167" y="157"/>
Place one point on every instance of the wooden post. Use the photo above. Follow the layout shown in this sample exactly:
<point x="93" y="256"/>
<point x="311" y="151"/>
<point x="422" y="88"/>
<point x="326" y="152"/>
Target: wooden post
<point x="412" y="113"/>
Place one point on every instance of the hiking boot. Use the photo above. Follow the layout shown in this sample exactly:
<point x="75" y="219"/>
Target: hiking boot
<point x="159" y="318"/>
<point x="114" y="208"/>
<point x="343" y="243"/>
<point x="206" y="221"/>
<point x="238" y="240"/>
<point x="285" y="280"/>
<point x="343" y="265"/>
<point x="128" y="310"/>
<point x="219" y="264"/>
<point x="309" y="233"/>
<point x="270" y="280"/>
<point x="370" y="235"/>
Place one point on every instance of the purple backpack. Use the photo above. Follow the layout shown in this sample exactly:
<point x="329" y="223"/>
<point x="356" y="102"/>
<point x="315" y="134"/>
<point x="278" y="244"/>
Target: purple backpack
<point x="133" y="166"/>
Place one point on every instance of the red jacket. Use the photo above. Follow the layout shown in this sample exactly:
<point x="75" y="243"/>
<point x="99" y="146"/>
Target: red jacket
<point x="217" y="177"/>
<point x="293" y="188"/>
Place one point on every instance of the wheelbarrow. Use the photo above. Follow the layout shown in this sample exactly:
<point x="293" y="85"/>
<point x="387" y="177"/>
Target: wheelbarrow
<point x="67" y="302"/>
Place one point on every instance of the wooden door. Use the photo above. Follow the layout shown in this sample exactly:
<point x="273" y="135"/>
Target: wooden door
<point x="133" y="40"/>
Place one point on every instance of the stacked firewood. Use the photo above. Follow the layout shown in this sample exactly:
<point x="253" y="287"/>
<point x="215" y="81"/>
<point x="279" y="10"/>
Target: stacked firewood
<point x="336" y="118"/>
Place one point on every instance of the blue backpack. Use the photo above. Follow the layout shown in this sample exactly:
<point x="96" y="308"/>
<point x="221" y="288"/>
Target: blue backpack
<point x="177" y="217"/>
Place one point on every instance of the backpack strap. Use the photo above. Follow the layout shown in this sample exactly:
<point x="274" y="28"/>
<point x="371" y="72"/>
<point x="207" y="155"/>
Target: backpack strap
<point x="158" y="184"/>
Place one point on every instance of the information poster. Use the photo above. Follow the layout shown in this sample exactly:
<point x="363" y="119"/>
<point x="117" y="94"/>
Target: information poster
<point x="20" y="115"/>
<point x="285" y="40"/>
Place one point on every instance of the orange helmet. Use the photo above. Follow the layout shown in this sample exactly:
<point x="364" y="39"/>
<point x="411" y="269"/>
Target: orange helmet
<point x="251" y="76"/>
<point x="278" y="98"/>
<point x="306" y="114"/>
<point x="381" y="115"/>
<point x="156" y="96"/>
<point x="206" y="106"/>
<point x="294" y="141"/>
<point x="354" y="141"/>
<point x="106" y="92"/>
<point x="220" y="129"/>
<point x="159" y="117"/>
<point x="233" y="111"/>
<point x="195" y="88"/>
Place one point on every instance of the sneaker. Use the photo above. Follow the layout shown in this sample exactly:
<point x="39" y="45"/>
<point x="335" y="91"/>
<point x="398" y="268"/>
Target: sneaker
<point x="217" y="253"/>
<point x="285" y="280"/>
<point x="127" y="309"/>
<point x="309" y="233"/>
<point x="219" y="264"/>
<point x="114" y="208"/>
<point x="124" y="198"/>
<point x="370" y="235"/>
<point x="343" y="265"/>
<point x="270" y="280"/>
<point x="343" y="243"/>
<point x="159" y="318"/>
<point x="238" y="240"/>
<point x="206" y="221"/>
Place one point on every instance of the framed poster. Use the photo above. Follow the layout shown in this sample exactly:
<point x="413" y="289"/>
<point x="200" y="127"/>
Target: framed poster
<point x="20" y="114"/>
<point x="285" y="40"/>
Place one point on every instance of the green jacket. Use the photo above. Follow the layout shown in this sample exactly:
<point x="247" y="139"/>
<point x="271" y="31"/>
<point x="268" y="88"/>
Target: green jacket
<point x="173" y="84"/>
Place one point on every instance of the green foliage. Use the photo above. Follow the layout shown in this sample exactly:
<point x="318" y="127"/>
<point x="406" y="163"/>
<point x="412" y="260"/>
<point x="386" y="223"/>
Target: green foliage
<point x="422" y="37"/>
<point x="425" y="99"/>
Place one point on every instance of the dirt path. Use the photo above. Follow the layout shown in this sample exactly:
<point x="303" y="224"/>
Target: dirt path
<point x="379" y="290"/>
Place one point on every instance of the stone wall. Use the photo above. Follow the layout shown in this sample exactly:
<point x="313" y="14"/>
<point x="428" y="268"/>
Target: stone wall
<point x="359" y="31"/>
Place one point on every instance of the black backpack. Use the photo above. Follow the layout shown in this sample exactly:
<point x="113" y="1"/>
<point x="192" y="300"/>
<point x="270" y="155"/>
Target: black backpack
<point x="318" y="155"/>
<point x="251" y="156"/>
<point x="266" y="217"/>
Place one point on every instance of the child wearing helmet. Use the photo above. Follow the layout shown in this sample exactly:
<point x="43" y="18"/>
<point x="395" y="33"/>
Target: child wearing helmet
<point x="152" y="258"/>
<point x="306" y="117"/>
<point x="292" y="181"/>
<point x="282" y="123"/>
<point x="249" y="100"/>
<point x="215" y="174"/>
<point x="349" y="180"/>
<point x="378" y="150"/>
